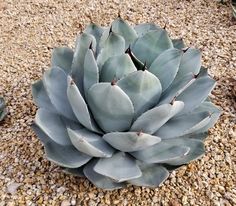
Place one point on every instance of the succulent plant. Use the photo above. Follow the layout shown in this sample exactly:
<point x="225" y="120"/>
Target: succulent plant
<point x="3" y="110"/>
<point x="127" y="106"/>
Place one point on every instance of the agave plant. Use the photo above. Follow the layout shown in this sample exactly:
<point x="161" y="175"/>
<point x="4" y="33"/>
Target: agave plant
<point x="3" y="110"/>
<point x="127" y="106"/>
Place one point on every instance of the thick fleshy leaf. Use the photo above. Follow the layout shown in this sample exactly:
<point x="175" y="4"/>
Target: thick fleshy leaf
<point x="162" y="152"/>
<point x="143" y="88"/>
<point x="176" y="88"/>
<point x="196" y="93"/>
<point x="74" y="171"/>
<point x="120" y="167"/>
<point x="178" y="43"/>
<point x="200" y="136"/>
<point x="138" y="64"/>
<point x="91" y="75"/>
<point x="63" y="155"/>
<point x="100" y="181"/>
<point x="53" y="125"/>
<point x="55" y="83"/>
<point x="96" y="31"/>
<point x="152" y="175"/>
<point x="114" y="45"/>
<point x="62" y="57"/>
<point x="165" y="66"/>
<point x="214" y="113"/>
<point x="40" y="96"/>
<point x="150" y="121"/>
<point x="105" y="101"/>
<point x="150" y="45"/>
<point x="117" y="67"/>
<point x="119" y="26"/>
<point x="83" y="42"/>
<point x="130" y="141"/>
<point x="79" y="107"/>
<point x="190" y="62"/>
<point x="143" y="28"/>
<point x="90" y="143"/>
<point x="196" y="150"/>
<point x="184" y="124"/>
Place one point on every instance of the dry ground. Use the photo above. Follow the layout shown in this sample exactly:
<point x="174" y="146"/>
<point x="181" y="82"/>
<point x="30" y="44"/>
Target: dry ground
<point x="29" y="29"/>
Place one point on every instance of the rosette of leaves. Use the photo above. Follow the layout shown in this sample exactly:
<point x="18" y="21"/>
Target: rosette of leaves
<point x="3" y="110"/>
<point x="126" y="106"/>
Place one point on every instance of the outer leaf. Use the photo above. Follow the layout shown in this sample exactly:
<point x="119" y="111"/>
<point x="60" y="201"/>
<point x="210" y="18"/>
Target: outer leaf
<point x="142" y="29"/>
<point x="150" y="45"/>
<point x="90" y="143"/>
<point x="165" y="66"/>
<point x="177" y="86"/>
<point x="184" y="124"/>
<point x="55" y="83"/>
<point x="96" y="31"/>
<point x="143" y="88"/>
<point x="62" y="57"/>
<point x="152" y="175"/>
<point x="116" y="68"/>
<point x="130" y="141"/>
<point x="214" y="113"/>
<point x="100" y="180"/>
<point x="162" y="152"/>
<point x="40" y="96"/>
<point x="190" y="62"/>
<point x="119" y="26"/>
<point x="113" y="46"/>
<point x="79" y="107"/>
<point x="104" y="100"/>
<point x="196" y="93"/>
<point x="91" y="75"/>
<point x="196" y="150"/>
<point x="120" y="167"/>
<point x="152" y="120"/>
<point x="83" y="43"/>
<point x="65" y="156"/>
<point x="53" y="126"/>
<point x="178" y="43"/>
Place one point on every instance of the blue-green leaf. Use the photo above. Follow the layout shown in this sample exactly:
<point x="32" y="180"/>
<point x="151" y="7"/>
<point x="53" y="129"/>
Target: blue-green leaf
<point x="63" y="155"/>
<point x="190" y="62"/>
<point x="120" y="167"/>
<point x="83" y="42"/>
<point x="184" y="124"/>
<point x="55" y="83"/>
<point x="40" y="96"/>
<point x="143" y="88"/>
<point x="116" y="67"/>
<point x="119" y="26"/>
<point x="79" y="107"/>
<point x="166" y="66"/>
<point x="178" y="43"/>
<point x="151" y="45"/>
<point x="114" y="45"/>
<point x="91" y="75"/>
<point x="90" y="143"/>
<point x="130" y="141"/>
<point x="152" y="175"/>
<point x="62" y="57"/>
<point x="100" y="181"/>
<point x="111" y="107"/>
<point x="150" y="121"/>
<point x="143" y="28"/>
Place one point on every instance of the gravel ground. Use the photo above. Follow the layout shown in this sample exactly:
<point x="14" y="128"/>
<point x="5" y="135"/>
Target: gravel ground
<point x="28" y="32"/>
